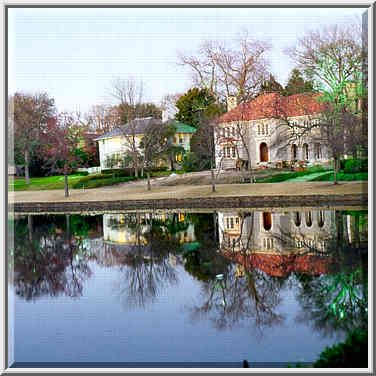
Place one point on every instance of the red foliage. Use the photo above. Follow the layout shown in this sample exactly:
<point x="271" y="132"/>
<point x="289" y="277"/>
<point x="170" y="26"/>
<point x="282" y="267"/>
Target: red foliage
<point x="60" y="140"/>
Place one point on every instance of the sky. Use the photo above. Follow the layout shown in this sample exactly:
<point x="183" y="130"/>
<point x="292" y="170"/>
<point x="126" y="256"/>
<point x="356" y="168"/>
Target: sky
<point x="74" y="54"/>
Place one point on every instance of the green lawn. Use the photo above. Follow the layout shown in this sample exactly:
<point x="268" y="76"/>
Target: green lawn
<point x="313" y="175"/>
<point x="57" y="182"/>
<point x="341" y="176"/>
<point x="39" y="184"/>
<point x="288" y="176"/>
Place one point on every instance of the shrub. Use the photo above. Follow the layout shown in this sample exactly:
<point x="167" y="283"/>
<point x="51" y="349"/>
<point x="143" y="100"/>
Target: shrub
<point x="159" y="169"/>
<point x="325" y="177"/>
<point x="100" y="181"/>
<point x="191" y="162"/>
<point x="342" y="177"/>
<point x="353" y="353"/>
<point x="352" y="166"/>
<point x="82" y="173"/>
<point x="119" y="172"/>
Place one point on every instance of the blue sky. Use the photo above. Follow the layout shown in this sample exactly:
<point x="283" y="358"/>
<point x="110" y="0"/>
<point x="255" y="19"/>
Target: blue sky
<point x="73" y="54"/>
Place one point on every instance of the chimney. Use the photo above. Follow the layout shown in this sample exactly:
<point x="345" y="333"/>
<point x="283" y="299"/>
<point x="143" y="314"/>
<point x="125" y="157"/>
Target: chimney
<point x="231" y="102"/>
<point x="165" y="116"/>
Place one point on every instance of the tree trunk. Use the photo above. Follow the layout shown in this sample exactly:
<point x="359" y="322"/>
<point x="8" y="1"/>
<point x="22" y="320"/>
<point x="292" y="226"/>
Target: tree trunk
<point x="66" y="185"/>
<point x="30" y="227"/>
<point x="172" y="163"/>
<point x="67" y="221"/>
<point x="212" y="180"/>
<point x="335" y="170"/>
<point x="27" y="157"/>
<point x="149" y="185"/>
<point x="215" y="227"/>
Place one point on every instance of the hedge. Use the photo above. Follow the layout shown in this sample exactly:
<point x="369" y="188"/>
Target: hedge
<point x="353" y="353"/>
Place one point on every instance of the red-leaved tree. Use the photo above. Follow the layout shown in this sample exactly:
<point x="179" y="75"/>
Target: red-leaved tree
<point x="61" y="142"/>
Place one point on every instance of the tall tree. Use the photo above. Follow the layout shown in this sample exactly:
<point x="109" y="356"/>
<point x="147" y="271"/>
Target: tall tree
<point x="271" y="85"/>
<point x="225" y="69"/>
<point x="99" y="118"/>
<point x="155" y="145"/>
<point x="196" y="104"/>
<point x="61" y="141"/>
<point x="30" y="116"/>
<point x="296" y="84"/>
<point x="130" y="94"/>
<point x="332" y="55"/>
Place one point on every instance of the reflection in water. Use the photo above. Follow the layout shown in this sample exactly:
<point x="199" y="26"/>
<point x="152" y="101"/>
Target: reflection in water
<point x="243" y="262"/>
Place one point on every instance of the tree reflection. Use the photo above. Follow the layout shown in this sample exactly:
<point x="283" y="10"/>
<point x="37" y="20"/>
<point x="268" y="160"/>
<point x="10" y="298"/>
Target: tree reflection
<point x="336" y="302"/>
<point x="145" y="267"/>
<point x="243" y="295"/>
<point x="48" y="259"/>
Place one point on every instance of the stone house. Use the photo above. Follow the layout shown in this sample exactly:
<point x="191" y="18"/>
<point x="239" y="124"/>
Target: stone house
<point x="253" y="131"/>
<point x="113" y="144"/>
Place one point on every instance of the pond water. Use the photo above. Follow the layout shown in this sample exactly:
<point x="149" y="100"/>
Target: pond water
<point x="197" y="289"/>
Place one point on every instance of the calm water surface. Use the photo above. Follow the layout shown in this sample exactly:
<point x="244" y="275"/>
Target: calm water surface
<point x="183" y="287"/>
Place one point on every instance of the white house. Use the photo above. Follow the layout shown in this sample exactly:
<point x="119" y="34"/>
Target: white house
<point x="254" y="129"/>
<point x="113" y="144"/>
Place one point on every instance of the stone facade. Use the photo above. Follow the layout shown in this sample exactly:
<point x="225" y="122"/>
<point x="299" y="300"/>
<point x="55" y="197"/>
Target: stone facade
<point x="253" y="131"/>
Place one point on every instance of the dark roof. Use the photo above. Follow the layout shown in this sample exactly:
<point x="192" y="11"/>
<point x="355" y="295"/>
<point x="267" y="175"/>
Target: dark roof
<point x="136" y="126"/>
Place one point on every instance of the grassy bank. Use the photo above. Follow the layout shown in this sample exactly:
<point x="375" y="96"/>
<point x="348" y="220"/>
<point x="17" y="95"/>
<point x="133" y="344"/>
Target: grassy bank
<point x="77" y="181"/>
<point x="41" y="184"/>
<point x="285" y="176"/>
<point x="341" y="176"/>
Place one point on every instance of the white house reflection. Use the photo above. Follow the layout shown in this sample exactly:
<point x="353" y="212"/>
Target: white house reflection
<point x="284" y="242"/>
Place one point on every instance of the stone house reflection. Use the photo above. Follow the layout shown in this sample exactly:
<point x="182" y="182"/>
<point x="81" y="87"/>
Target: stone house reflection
<point x="273" y="241"/>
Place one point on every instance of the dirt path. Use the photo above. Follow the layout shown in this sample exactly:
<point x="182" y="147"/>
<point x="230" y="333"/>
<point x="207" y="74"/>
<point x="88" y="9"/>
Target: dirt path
<point x="139" y="191"/>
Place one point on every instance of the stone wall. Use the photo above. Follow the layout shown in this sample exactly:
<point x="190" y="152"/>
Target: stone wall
<point x="262" y="202"/>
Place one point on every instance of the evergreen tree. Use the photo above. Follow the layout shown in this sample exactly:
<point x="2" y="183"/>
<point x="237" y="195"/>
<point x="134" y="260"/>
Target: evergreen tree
<point x="297" y="84"/>
<point x="195" y="105"/>
<point x="271" y="86"/>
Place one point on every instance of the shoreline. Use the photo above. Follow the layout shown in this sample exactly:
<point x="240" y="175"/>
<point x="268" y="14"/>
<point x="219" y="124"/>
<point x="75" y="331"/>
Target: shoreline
<point x="227" y="196"/>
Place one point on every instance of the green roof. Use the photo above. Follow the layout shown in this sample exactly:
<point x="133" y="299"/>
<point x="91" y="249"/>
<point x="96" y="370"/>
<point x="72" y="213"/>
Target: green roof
<point x="183" y="128"/>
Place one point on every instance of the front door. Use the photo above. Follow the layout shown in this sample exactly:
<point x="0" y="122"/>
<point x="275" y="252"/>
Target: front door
<point x="264" y="157"/>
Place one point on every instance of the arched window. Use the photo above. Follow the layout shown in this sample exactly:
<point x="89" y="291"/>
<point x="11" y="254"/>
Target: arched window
<point x="305" y="151"/>
<point x="267" y="220"/>
<point x="264" y="157"/>
<point x="294" y="152"/>
<point x="317" y="151"/>
<point x="297" y="219"/>
<point x="308" y="218"/>
<point x="321" y="218"/>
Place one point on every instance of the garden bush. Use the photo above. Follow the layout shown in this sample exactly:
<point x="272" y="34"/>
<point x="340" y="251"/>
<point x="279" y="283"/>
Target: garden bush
<point x="342" y="177"/>
<point x="191" y="162"/>
<point x="352" y="166"/>
<point x="353" y="353"/>
<point x="119" y="172"/>
<point x="101" y="180"/>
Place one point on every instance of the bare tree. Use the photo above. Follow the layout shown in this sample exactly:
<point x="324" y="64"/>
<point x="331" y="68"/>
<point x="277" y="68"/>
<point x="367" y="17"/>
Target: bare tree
<point x="100" y="118"/>
<point x="239" y="68"/>
<point x="168" y="103"/>
<point x="234" y="142"/>
<point x="325" y="125"/>
<point x="331" y="56"/>
<point x="155" y="145"/>
<point x="129" y="94"/>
